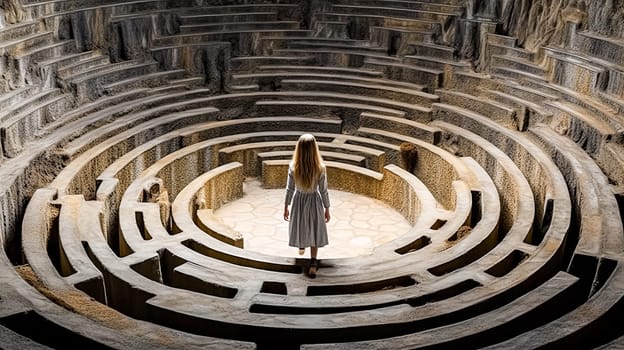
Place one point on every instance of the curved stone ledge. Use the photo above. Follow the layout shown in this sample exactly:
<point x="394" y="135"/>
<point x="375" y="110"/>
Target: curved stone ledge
<point x="124" y="125"/>
<point x="208" y="192"/>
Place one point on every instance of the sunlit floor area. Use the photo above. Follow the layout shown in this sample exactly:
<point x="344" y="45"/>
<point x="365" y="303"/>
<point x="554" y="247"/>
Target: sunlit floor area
<point x="358" y="223"/>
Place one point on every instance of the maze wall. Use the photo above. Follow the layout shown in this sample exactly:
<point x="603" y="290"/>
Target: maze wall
<point x="124" y="126"/>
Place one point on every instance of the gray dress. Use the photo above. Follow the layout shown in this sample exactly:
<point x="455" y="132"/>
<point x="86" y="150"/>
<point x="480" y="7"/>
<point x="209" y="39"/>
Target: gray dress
<point x="307" y="226"/>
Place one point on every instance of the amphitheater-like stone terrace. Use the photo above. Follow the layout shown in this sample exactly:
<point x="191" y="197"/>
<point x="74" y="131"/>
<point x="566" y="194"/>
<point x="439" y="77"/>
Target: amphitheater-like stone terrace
<point x="127" y="128"/>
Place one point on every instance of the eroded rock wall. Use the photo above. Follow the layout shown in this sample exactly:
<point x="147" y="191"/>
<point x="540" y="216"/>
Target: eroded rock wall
<point x="541" y="22"/>
<point x="606" y="17"/>
<point x="10" y="12"/>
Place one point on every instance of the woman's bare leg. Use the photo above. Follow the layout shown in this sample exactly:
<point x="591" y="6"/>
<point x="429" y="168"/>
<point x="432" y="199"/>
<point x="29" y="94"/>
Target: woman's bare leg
<point x="313" y="252"/>
<point x="313" y="262"/>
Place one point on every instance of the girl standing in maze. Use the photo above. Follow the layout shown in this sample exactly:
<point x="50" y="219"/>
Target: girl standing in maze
<point x="306" y="188"/>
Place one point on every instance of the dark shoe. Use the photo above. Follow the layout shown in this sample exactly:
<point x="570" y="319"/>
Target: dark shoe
<point x="313" y="268"/>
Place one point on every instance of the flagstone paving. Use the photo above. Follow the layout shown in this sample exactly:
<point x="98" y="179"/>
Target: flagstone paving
<point x="358" y="223"/>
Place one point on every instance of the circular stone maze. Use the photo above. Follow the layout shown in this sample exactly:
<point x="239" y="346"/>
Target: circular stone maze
<point x="495" y="128"/>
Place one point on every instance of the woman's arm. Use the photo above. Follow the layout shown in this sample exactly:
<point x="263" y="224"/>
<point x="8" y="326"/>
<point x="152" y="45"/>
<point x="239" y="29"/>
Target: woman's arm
<point x="322" y="186"/>
<point x="286" y="213"/>
<point x="324" y="194"/>
<point x="290" y="191"/>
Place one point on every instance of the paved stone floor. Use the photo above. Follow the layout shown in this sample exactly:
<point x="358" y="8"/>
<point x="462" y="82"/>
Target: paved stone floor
<point x="357" y="225"/>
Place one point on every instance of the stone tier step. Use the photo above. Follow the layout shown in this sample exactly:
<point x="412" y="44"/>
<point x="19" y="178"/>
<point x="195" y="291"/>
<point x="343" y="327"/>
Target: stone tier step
<point x="83" y="65"/>
<point x="433" y="50"/>
<point x="92" y="107"/>
<point x="517" y="63"/>
<point x="188" y="82"/>
<point x="326" y="44"/>
<point x="250" y="63"/>
<point x="17" y="129"/>
<point x="594" y="106"/>
<point x="382" y="21"/>
<point x="28" y="97"/>
<point x="502" y="40"/>
<point x="54" y="11"/>
<point x="68" y="59"/>
<point x="413" y="5"/>
<point x="497" y="49"/>
<point x="494" y="110"/>
<point x="395" y="12"/>
<point x="29" y="42"/>
<point x="321" y="70"/>
<point x="505" y="73"/>
<point x="195" y="14"/>
<point x="18" y="30"/>
<point x="237" y="26"/>
<point x="146" y="80"/>
<point x="585" y="128"/>
<point x="230" y="17"/>
<point x="429" y="77"/>
<point x="11" y="99"/>
<point x="91" y="66"/>
<point x="437" y="62"/>
<point x="49" y="51"/>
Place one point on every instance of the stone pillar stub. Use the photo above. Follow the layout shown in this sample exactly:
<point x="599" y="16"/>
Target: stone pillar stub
<point x="573" y="19"/>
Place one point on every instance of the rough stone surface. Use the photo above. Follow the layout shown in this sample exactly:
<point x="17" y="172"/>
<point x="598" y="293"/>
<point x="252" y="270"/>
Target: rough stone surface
<point x="474" y="153"/>
<point x="358" y="223"/>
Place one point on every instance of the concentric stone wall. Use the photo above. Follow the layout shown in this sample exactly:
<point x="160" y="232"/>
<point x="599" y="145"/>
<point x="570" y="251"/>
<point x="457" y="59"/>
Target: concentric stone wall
<point x="125" y="125"/>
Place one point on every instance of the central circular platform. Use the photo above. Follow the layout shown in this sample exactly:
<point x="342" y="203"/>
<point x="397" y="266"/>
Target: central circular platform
<point x="358" y="223"/>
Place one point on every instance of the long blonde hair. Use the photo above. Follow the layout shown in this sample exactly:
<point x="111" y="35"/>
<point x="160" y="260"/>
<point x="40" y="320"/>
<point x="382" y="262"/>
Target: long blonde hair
<point x="307" y="163"/>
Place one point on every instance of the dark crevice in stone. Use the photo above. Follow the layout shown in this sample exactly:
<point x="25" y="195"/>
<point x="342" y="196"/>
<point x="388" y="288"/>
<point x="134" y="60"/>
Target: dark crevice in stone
<point x="416" y="245"/>
<point x="336" y="289"/>
<point x="34" y="326"/>
<point x="506" y="265"/>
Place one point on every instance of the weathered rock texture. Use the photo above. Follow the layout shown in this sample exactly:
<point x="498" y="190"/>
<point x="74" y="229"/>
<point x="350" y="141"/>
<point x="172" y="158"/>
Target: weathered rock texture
<point x="495" y="128"/>
<point x="542" y="22"/>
